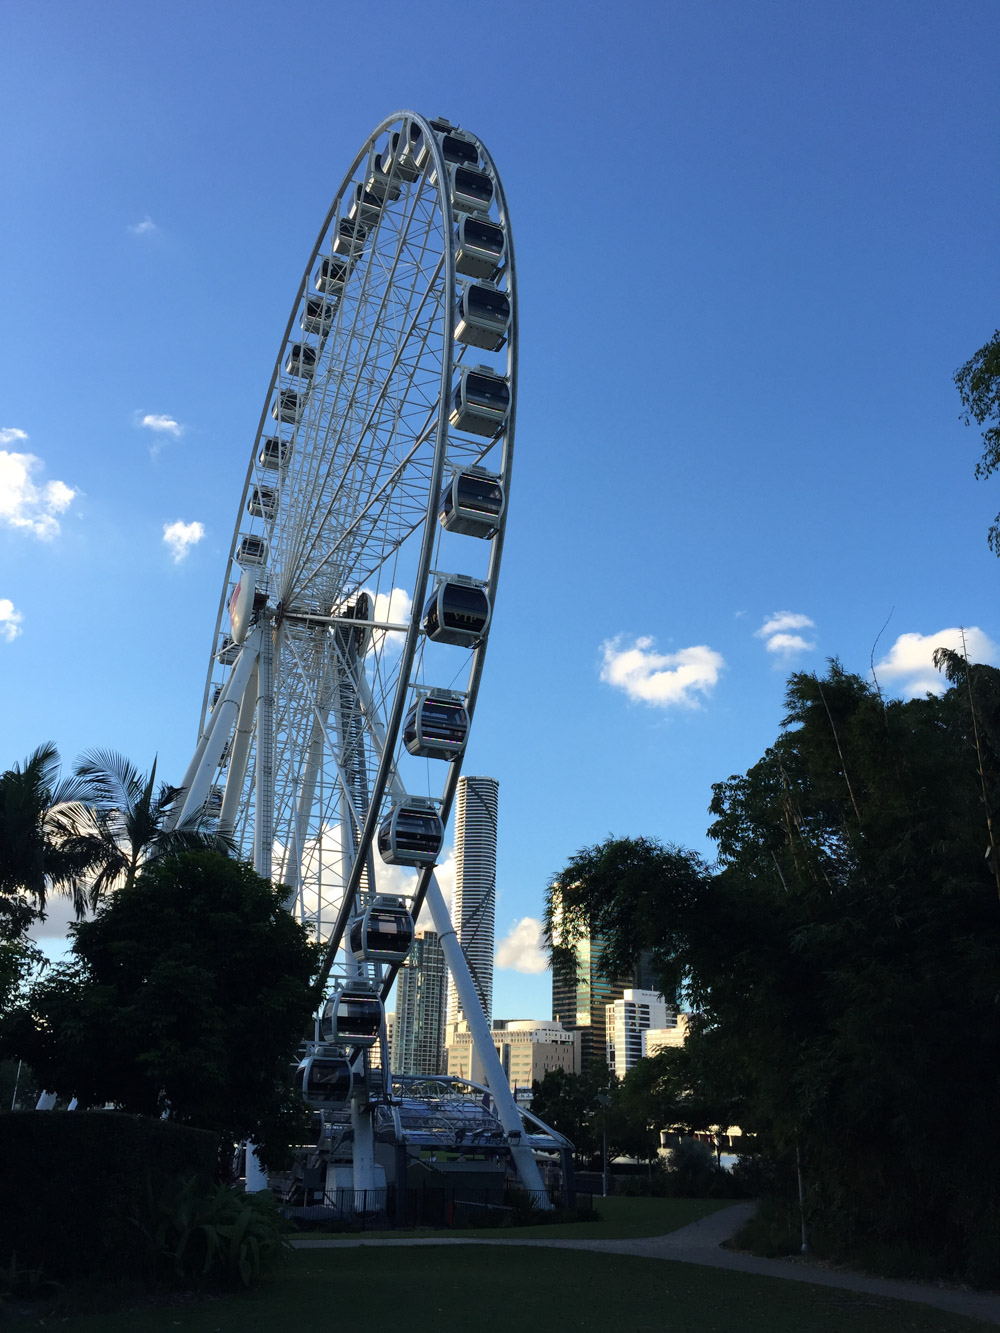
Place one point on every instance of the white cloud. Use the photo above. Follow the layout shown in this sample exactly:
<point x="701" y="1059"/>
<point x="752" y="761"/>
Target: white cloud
<point x="180" y="537"/>
<point x="11" y="434"/>
<point x="162" y="424"/>
<point x="910" y="660"/>
<point x="660" y="679"/>
<point x="144" y="228"/>
<point x="390" y="609"/>
<point x="778" y="640"/>
<point x="23" y="504"/>
<point x="520" y="950"/>
<point x="10" y="620"/>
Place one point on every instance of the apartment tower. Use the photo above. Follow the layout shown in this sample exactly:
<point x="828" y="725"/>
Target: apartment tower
<point x="474" y="909"/>
<point x="421" y="994"/>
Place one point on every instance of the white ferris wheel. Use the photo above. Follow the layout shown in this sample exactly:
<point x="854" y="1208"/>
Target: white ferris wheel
<point x="362" y="573"/>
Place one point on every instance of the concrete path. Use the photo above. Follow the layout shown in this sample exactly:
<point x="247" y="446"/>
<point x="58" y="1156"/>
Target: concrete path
<point x="700" y="1243"/>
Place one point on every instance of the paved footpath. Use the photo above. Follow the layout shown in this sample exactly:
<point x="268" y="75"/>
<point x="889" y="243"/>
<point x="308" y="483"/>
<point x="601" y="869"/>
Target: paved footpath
<point x="700" y="1243"/>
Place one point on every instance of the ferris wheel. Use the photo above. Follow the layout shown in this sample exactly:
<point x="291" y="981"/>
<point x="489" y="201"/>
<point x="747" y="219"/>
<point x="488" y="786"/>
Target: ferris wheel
<point x="355" y="609"/>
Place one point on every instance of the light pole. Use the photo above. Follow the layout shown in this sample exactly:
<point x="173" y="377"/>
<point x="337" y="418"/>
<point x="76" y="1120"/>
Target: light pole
<point x="604" y="1101"/>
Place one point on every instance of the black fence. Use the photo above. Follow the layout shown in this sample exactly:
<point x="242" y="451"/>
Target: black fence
<point x="458" y="1207"/>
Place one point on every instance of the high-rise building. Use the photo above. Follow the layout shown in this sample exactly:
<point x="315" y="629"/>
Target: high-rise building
<point x="625" y="1022"/>
<point x="474" y="908"/>
<point x="421" y="991"/>
<point x="528" y="1048"/>
<point x="581" y="993"/>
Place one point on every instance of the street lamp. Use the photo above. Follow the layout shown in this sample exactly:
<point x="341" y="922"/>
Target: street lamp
<point x="604" y="1101"/>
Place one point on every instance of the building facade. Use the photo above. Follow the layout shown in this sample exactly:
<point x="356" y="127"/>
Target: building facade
<point x="421" y="996"/>
<point x="655" y="1040"/>
<point x="626" y="1021"/>
<point x="528" y="1049"/>
<point x="581" y="993"/>
<point x="474" y="909"/>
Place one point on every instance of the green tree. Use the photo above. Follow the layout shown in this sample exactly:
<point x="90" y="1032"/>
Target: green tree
<point x="570" y="1103"/>
<point x="841" y="961"/>
<point x="978" y="384"/>
<point x="133" y="820"/>
<point x="44" y="842"/>
<point x="186" y="996"/>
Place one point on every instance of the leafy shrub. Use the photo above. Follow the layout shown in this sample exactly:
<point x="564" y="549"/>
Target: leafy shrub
<point x="82" y="1174"/>
<point x="694" y="1172"/>
<point x="17" y="1282"/>
<point x="198" y="1235"/>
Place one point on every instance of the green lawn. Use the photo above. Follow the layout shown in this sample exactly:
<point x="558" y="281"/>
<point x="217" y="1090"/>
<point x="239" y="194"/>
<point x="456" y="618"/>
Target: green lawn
<point x="619" y="1219"/>
<point x="383" y="1290"/>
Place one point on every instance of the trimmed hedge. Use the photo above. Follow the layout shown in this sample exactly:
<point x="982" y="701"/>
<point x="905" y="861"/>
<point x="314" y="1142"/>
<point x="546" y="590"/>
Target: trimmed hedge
<point x="72" y="1181"/>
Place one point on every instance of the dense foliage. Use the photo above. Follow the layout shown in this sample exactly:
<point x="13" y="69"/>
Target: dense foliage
<point x="72" y="1182"/>
<point x="186" y="996"/>
<point x="842" y="959"/>
<point x="978" y="384"/>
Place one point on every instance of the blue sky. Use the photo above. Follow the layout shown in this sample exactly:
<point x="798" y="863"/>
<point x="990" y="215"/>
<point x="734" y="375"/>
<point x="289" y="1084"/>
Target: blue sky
<point x="754" y="242"/>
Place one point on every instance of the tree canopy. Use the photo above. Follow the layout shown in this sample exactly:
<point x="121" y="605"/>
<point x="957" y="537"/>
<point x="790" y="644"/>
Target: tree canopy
<point x="978" y="384"/>
<point x="187" y="995"/>
<point x="841" y="958"/>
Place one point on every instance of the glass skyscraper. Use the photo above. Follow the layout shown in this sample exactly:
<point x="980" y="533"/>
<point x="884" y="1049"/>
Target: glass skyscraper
<point x="474" y="909"/>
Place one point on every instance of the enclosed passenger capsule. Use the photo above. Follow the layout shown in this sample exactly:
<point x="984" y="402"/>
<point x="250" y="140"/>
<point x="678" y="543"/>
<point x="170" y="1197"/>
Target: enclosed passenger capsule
<point x="383" y="933"/>
<point x="301" y="361"/>
<point x="400" y="156"/>
<point x="263" y="502"/>
<point x="325" y="1077"/>
<point x="317" y="316"/>
<point x="366" y="208"/>
<point x="480" y="247"/>
<point x="332" y="273"/>
<point x="482" y="317"/>
<point x="456" y="149"/>
<point x="288" y="406"/>
<point x="481" y="402"/>
<point x="353" y="1017"/>
<point x="411" y="833"/>
<point x="383" y="186"/>
<point x="273" y="452"/>
<point x="458" y="612"/>
<point x="437" y="726"/>
<point x="471" y="191"/>
<point x="228" y="652"/>
<point x="349" y="238"/>
<point x="472" y="503"/>
<point x="252" y="550"/>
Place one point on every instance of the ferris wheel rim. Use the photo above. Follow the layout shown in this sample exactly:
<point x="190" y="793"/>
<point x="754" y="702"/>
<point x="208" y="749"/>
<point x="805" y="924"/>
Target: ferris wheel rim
<point x="427" y="527"/>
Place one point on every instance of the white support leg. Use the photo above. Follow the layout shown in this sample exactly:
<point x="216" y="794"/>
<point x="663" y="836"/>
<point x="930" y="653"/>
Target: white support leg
<point x="240" y="756"/>
<point x="223" y="717"/>
<point x="510" y="1117"/>
<point x="263" y="829"/>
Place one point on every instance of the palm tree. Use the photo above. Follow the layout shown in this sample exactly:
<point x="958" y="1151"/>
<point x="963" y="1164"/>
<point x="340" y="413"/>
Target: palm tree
<point x="46" y="833"/>
<point x="133" y="820"/>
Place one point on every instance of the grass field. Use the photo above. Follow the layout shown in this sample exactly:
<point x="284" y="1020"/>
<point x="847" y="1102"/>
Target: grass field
<point x="619" y="1219"/>
<point x="385" y="1289"/>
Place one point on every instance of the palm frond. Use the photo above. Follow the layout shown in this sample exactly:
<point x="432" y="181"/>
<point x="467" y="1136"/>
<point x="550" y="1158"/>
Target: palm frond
<point x="112" y="780"/>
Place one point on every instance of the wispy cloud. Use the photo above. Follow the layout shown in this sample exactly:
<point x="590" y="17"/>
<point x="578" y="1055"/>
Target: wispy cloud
<point x="23" y="503"/>
<point x="778" y="638"/>
<point x="10" y="620"/>
<point x="909" y="663"/>
<point x="144" y="228"/>
<point x="520" y="950"/>
<point x="161" y="424"/>
<point x="660" y="679"/>
<point x="180" y="537"/>
<point x="11" y="435"/>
